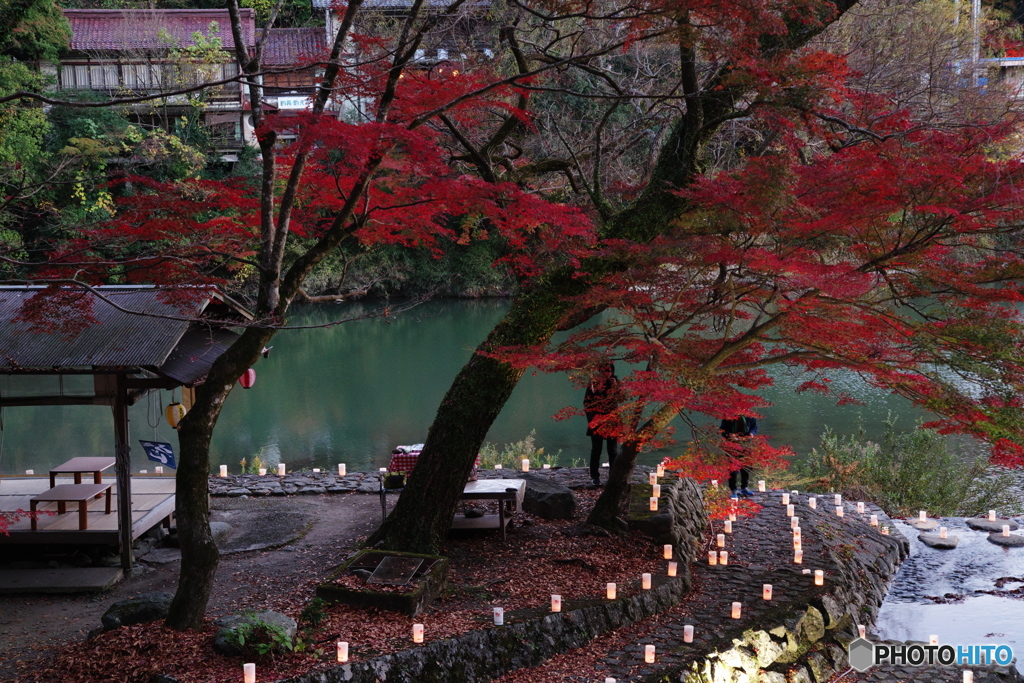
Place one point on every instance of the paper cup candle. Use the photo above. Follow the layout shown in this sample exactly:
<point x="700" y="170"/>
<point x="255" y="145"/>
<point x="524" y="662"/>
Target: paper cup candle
<point x="766" y="591"/>
<point x="556" y="603"/>
<point x="933" y="640"/>
<point x="714" y="483"/>
<point x="1006" y="530"/>
<point x="688" y="633"/>
<point x="645" y="581"/>
<point x="721" y="539"/>
<point x="610" y="591"/>
<point x="342" y="469"/>
<point x="819" y="577"/>
<point x="248" y="673"/>
<point x="417" y="633"/>
<point x="737" y="610"/>
<point x="660" y="471"/>
<point x="862" y="631"/>
<point x="761" y="485"/>
<point x="839" y="499"/>
<point x="922" y="516"/>
<point x="263" y="471"/>
<point x="723" y="557"/>
<point x="968" y="676"/>
<point x="652" y="478"/>
<point x="839" y="511"/>
<point x="672" y="568"/>
<point x="874" y="520"/>
<point x="812" y="503"/>
<point x="943" y="533"/>
<point x="794" y="522"/>
<point x="656" y="491"/>
<point x="499" y="616"/>
<point x="991" y="515"/>
<point x="654" y="504"/>
<point x="280" y="469"/>
<point x="712" y="558"/>
<point x="666" y="551"/>
<point x="728" y="526"/>
<point x="342" y="651"/>
<point x="798" y="556"/>
<point x="790" y="510"/>
<point x="223" y="470"/>
<point x="649" y="654"/>
<point x="526" y="464"/>
<point x="785" y="499"/>
<point x="860" y="508"/>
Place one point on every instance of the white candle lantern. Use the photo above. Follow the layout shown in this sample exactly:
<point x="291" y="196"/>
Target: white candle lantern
<point x="812" y="503"/>
<point x="645" y="581"/>
<point x="728" y="526"/>
<point x="249" y="673"/>
<point x="143" y="472"/>
<point x="968" y="676"/>
<point x="795" y="492"/>
<point x="839" y="499"/>
<point x="610" y="591"/>
<point x="819" y="577"/>
<point x="723" y="558"/>
<point x="656" y="491"/>
<point x="526" y="464"/>
<point x="280" y="469"/>
<point x="798" y="544"/>
<point x="1006" y="530"/>
<point x="761" y="486"/>
<point x="794" y="522"/>
<point x="417" y="633"/>
<point x="766" y="591"/>
<point x="30" y="472"/>
<point x="732" y="516"/>
<point x="499" y="616"/>
<point x="660" y="471"/>
<point x="933" y="640"/>
<point x="556" y="603"/>
<point x="860" y="508"/>
<point x="609" y="679"/>
<point x="922" y="516"/>
<point x="874" y="520"/>
<point x="342" y="469"/>
<point x="721" y="539"/>
<point x="666" y="551"/>
<point x="839" y="511"/>
<point x="943" y="532"/>
<point x="712" y="558"/>
<point x="263" y="471"/>
<point x="688" y="633"/>
<point x="672" y="567"/>
<point x="790" y="510"/>
<point x="796" y="534"/>
<point x="316" y="470"/>
<point x="652" y="478"/>
<point x="798" y="557"/>
<point x="991" y="515"/>
<point x="545" y="466"/>
<point x="785" y="499"/>
<point x="224" y="473"/>
<point x="649" y="654"/>
<point x="383" y="470"/>
<point x="654" y="504"/>
<point x="498" y="466"/>
<point x="342" y="651"/>
<point x="737" y="610"/>
<point x="862" y="631"/>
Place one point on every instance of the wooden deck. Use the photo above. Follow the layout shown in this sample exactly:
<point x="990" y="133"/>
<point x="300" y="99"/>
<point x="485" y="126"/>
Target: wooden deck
<point x="152" y="502"/>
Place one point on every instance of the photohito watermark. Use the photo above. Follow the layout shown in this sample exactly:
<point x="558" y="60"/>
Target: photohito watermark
<point x="864" y="654"/>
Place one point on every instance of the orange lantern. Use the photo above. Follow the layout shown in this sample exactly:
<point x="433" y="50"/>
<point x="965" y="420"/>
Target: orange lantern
<point x="248" y="378"/>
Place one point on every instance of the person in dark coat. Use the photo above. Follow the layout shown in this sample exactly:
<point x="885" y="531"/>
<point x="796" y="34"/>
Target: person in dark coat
<point x="599" y="401"/>
<point x="738" y="429"/>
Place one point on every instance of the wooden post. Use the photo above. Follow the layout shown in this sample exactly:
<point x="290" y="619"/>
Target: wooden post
<point x="123" y="471"/>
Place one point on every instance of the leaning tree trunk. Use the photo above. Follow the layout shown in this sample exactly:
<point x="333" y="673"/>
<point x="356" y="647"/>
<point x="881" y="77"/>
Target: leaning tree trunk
<point x="199" y="554"/>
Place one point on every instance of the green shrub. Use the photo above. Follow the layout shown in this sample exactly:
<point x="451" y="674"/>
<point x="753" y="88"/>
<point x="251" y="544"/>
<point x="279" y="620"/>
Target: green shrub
<point x="256" y="638"/>
<point x="907" y="472"/>
<point x="511" y="456"/>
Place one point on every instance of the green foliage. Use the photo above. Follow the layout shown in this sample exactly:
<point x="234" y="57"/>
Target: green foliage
<point x="314" y="613"/>
<point x="254" y="467"/>
<point x="511" y="456"/>
<point x="908" y="471"/>
<point x="33" y="30"/>
<point x="256" y="639"/>
<point x="23" y="129"/>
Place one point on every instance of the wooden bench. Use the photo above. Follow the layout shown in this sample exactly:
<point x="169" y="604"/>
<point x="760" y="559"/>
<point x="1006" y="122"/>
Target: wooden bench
<point x="72" y="493"/>
<point x="79" y="466"/>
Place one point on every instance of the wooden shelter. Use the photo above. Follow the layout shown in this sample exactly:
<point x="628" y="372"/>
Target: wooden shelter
<point x="130" y="339"/>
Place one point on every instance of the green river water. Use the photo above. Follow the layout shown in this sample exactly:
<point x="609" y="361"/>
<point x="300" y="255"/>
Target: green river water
<point x="352" y="392"/>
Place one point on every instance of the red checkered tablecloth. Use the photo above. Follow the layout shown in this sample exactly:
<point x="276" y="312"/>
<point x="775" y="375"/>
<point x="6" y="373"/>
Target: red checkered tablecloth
<point x="405" y="462"/>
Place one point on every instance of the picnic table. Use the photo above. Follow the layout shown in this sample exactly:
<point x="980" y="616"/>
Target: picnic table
<point x="508" y="492"/>
<point x="72" y="493"/>
<point x="80" y="466"/>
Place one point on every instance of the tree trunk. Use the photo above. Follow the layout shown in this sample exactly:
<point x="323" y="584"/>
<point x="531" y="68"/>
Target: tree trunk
<point x="608" y="508"/>
<point x="199" y="554"/>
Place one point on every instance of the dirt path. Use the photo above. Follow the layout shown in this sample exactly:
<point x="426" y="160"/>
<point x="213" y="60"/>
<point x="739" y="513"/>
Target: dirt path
<point x="310" y="535"/>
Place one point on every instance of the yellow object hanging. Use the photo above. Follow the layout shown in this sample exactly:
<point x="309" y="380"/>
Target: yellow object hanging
<point x="174" y="413"/>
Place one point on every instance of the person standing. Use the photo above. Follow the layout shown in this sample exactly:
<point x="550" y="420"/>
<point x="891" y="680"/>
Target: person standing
<point x="738" y="429"/>
<point x="598" y="402"/>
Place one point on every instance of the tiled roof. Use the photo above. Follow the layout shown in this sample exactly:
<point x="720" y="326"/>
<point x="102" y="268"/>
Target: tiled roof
<point x="397" y="4"/>
<point x="119" y="30"/>
<point x="288" y="46"/>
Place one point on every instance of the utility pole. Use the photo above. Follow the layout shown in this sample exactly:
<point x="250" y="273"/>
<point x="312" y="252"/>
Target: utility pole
<point x="975" y="40"/>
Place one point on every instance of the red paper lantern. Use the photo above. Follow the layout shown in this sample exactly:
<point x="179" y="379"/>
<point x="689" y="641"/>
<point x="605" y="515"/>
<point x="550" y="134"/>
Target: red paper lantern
<point x="248" y="378"/>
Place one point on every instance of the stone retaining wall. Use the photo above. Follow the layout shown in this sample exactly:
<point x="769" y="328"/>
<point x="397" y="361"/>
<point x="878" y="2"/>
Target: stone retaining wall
<point x="680" y="520"/>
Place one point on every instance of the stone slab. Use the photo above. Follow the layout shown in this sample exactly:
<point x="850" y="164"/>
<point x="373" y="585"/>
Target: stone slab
<point x="926" y="525"/>
<point x="82" y="580"/>
<point x="983" y="524"/>
<point x="1011" y="541"/>
<point x="937" y="542"/>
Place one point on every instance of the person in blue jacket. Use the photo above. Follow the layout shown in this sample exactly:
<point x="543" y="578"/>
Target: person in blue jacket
<point x="737" y="429"/>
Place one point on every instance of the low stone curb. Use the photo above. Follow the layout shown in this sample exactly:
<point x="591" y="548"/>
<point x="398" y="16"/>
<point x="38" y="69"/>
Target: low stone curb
<point x="491" y="652"/>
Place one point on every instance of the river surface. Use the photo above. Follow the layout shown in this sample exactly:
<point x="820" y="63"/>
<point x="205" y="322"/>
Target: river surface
<point x="352" y="392"/>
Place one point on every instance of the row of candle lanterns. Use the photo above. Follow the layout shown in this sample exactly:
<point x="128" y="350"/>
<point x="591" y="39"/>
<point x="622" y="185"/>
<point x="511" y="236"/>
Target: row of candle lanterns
<point x="282" y="469"/>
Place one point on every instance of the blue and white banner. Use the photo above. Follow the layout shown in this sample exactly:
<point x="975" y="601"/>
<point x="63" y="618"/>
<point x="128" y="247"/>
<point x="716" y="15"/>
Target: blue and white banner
<point x="160" y="452"/>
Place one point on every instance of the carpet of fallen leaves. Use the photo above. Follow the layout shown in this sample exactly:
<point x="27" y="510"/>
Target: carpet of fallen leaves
<point x="540" y="558"/>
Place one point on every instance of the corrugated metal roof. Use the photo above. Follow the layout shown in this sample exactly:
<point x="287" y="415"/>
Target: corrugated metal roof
<point x="152" y="29"/>
<point x="397" y="4"/>
<point x="192" y="357"/>
<point x="115" y="340"/>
